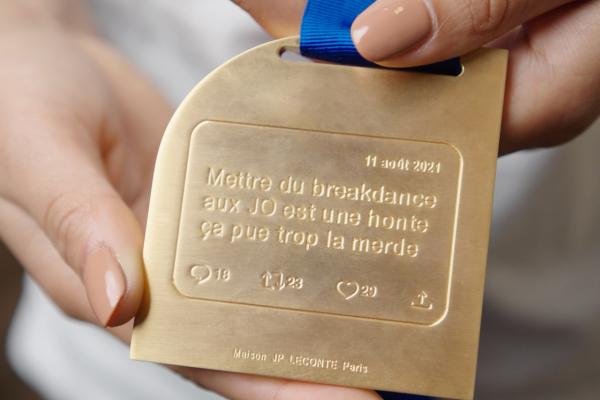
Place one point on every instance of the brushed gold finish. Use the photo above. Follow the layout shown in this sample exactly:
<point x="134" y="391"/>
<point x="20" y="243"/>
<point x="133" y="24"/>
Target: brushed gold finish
<point x="325" y="223"/>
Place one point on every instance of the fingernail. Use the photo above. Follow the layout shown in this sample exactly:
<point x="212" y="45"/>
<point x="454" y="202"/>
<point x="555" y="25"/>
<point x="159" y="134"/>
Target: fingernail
<point x="104" y="281"/>
<point x="389" y="27"/>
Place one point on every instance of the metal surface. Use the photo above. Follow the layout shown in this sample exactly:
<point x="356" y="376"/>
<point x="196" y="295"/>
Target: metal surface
<point x="325" y="223"/>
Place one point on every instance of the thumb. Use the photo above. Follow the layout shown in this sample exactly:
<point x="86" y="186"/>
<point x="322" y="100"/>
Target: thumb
<point x="404" y="33"/>
<point x="62" y="185"/>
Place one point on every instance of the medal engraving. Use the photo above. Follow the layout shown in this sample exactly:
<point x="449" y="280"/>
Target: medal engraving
<point x="320" y="207"/>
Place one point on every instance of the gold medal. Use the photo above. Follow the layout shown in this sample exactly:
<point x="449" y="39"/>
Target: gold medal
<point x="325" y="223"/>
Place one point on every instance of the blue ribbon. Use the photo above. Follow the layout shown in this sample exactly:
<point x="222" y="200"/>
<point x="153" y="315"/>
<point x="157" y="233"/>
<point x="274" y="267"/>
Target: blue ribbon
<point x="325" y="35"/>
<point x="399" y="396"/>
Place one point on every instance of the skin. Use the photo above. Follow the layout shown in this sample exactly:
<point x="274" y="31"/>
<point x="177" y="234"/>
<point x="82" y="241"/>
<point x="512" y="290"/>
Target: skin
<point x="80" y="128"/>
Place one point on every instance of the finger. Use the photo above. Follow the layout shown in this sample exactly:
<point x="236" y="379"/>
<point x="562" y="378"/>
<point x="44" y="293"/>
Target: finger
<point x="404" y="33"/>
<point x="34" y="251"/>
<point x="552" y="91"/>
<point x="236" y="386"/>
<point x="63" y="187"/>
<point x="143" y="114"/>
<point x="278" y="17"/>
<point x="144" y="110"/>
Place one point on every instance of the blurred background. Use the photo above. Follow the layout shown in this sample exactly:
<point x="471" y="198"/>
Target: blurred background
<point x="11" y="387"/>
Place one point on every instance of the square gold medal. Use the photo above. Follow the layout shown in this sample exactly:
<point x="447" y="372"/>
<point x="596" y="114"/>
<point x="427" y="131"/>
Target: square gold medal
<point x="325" y="223"/>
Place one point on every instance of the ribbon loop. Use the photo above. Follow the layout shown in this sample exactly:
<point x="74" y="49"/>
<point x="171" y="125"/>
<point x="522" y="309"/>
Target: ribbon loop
<point x="325" y="35"/>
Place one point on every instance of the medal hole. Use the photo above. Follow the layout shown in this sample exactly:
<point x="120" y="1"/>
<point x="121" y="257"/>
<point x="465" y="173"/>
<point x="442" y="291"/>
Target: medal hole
<point x="293" y="54"/>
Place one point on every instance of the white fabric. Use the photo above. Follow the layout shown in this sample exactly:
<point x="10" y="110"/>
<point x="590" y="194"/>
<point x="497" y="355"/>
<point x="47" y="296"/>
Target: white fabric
<point x="541" y="329"/>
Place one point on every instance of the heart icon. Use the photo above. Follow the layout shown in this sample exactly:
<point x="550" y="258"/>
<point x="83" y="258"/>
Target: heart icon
<point x="201" y="273"/>
<point x="348" y="290"/>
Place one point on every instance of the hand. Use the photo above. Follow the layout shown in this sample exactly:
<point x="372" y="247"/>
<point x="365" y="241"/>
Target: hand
<point x="80" y="129"/>
<point x="553" y="89"/>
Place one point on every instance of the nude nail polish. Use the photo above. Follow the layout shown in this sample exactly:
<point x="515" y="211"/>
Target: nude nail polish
<point x="390" y="27"/>
<point x="105" y="284"/>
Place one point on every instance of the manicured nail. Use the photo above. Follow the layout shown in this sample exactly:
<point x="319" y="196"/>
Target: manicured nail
<point x="104" y="282"/>
<point x="390" y="27"/>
